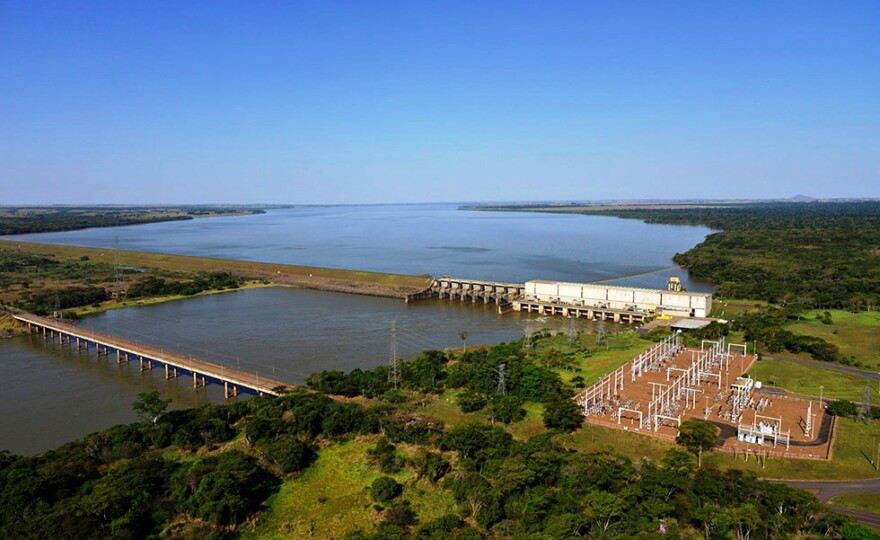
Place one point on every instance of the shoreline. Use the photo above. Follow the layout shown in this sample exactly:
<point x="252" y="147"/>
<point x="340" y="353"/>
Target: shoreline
<point x="309" y="277"/>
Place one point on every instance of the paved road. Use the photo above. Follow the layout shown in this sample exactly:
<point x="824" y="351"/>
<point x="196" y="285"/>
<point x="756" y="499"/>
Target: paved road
<point x="868" y="519"/>
<point x="828" y="490"/>
<point x="873" y="375"/>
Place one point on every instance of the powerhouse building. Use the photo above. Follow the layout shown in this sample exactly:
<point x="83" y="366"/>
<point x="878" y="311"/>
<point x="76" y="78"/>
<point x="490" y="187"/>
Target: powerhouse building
<point x="684" y="303"/>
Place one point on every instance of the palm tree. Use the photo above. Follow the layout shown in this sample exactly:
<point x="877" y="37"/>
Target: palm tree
<point x="463" y="335"/>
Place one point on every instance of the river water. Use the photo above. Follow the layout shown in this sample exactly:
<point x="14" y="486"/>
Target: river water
<point x="53" y="395"/>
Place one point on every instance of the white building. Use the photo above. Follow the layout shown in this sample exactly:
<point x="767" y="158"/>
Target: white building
<point x="683" y="303"/>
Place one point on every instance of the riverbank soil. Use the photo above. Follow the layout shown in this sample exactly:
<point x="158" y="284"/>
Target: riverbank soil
<point x="10" y="327"/>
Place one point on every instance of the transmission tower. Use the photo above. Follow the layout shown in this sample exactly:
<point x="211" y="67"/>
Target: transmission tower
<point x="601" y="338"/>
<point x="502" y="380"/>
<point x="865" y="412"/>
<point x="572" y="331"/>
<point x="394" y="373"/>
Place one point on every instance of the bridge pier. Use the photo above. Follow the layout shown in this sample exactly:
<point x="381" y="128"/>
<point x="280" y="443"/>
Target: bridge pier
<point x="147" y="362"/>
<point x="170" y="372"/>
<point x="149" y="358"/>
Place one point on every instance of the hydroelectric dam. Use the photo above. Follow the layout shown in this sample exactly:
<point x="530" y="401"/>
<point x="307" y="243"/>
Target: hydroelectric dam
<point x="589" y="300"/>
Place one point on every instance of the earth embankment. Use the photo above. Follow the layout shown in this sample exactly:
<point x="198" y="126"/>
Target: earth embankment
<point x="325" y="279"/>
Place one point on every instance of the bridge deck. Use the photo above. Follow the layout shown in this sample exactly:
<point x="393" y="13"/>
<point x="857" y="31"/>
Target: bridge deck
<point x="189" y="364"/>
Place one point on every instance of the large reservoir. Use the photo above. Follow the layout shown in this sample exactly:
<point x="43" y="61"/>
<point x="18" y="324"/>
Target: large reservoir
<point x="418" y="239"/>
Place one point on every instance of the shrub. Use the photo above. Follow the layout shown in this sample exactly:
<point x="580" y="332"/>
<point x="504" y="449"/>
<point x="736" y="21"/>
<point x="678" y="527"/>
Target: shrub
<point x="289" y="453"/>
<point x="384" y="455"/>
<point x="385" y="489"/>
<point x="842" y="408"/>
<point x="470" y="402"/>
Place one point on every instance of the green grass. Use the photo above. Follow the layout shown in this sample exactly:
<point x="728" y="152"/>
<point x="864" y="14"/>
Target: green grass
<point x="332" y="496"/>
<point x="726" y="309"/>
<point x="856" y="334"/>
<point x="870" y="502"/>
<point x="589" y="360"/>
<point x="592" y="438"/>
<point x="802" y="379"/>
<point x="445" y="408"/>
<point x="531" y="425"/>
<point x="849" y="457"/>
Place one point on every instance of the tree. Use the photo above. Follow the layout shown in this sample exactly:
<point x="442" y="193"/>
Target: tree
<point x="697" y="435"/>
<point x="842" y="408"/>
<point x="564" y="414"/>
<point x="149" y="406"/>
<point x="385" y="489"/>
<point x="463" y="335"/>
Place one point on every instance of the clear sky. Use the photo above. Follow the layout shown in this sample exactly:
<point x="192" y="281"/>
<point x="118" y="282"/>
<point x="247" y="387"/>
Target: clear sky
<point x="367" y="101"/>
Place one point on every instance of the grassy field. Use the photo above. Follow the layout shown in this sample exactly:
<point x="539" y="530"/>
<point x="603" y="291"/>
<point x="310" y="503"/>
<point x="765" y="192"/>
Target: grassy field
<point x="856" y="334"/>
<point x="591" y="438"/>
<point x="849" y="459"/>
<point x="588" y="359"/>
<point x="802" y="379"/>
<point x="731" y="308"/>
<point x="445" y="408"/>
<point x="869" y="502"/>
<point x="332" y="496"/>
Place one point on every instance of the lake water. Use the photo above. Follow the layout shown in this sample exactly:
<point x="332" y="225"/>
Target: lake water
<point x="419" y="239"/>
<point x="53" y="395"/>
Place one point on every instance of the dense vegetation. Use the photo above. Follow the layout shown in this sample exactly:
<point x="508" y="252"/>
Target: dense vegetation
<point x="476" y="373"/>
<point x="819" y="254"/>
<point x="202" y="473"/>
<point x="42" y="284"/>
<point x="22" y="220"/>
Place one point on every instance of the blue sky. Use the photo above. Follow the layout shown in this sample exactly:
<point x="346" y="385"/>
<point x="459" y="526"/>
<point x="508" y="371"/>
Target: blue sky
<point x="362" y="102"/>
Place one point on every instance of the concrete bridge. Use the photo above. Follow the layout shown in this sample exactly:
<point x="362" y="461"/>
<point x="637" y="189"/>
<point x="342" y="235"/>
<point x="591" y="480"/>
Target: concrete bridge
<point x="474" y="290"/>
<point x="202" y="372"/>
